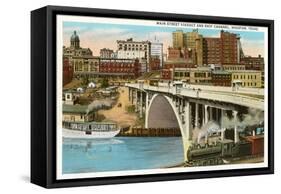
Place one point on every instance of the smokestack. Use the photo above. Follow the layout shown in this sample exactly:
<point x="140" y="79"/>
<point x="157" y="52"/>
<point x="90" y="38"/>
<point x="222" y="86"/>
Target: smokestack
<point x="222" y="133"/>
<point x="254" y="132"/>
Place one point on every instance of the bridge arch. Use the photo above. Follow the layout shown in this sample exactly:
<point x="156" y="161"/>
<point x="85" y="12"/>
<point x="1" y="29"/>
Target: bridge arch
<point x="162" y="113"/>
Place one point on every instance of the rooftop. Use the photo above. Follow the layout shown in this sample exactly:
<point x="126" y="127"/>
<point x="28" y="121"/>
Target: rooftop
<point x="177" y="61"/>
<point x="221" y="72"/>
<point x="92" y="122"/>
<point x="193" y="69"/>
<point x="85" y="57"/>
<point x="131" y="40"/>
<point x="81" y="109"/>
<point x="150" y="76"/>
<point x="244" y="71"/>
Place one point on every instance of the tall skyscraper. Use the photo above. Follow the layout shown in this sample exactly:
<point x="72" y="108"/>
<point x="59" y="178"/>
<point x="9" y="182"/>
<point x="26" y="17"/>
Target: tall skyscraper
<point x="223" y="50"/>
<point x="229" y="48"/>
<point x="191" y="41"/>
<point x="178" y="39"/>
<point x="194" y="42"/>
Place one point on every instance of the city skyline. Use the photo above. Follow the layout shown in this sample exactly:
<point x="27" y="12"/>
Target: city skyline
<point x="99" y="35"/>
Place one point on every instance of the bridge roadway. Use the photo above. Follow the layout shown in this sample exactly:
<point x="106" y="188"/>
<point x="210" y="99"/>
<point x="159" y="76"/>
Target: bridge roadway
<point x="248" y="97"/>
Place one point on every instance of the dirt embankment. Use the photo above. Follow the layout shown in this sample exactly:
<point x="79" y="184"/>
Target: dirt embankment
<point x="119" y="113"/>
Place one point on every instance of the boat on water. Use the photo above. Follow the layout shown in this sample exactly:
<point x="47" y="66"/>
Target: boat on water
<point x="89" y="130"/>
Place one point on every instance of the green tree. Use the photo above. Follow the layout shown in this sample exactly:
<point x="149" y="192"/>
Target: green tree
<point x="104" y="83"/>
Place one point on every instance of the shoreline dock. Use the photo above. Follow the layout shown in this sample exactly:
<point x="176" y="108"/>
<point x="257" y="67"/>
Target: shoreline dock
<point x="149" y="132"/>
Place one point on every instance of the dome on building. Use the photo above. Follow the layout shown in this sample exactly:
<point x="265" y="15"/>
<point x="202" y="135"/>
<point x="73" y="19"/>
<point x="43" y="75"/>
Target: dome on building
<point x="74" y="41"/>
<point x="74" y="37"/>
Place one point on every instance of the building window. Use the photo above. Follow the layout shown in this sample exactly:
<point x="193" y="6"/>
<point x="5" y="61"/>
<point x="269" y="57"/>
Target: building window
<point x="80" y="67"/>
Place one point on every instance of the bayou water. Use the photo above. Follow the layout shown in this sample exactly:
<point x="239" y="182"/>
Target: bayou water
<point x="120" y="153"/>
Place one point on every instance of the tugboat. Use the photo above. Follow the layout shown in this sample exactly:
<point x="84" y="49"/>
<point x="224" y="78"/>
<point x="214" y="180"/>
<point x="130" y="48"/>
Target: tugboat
<point x="89" y="130"/>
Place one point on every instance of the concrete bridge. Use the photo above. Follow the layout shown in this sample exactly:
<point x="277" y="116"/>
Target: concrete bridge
<point x="190" y="106"/>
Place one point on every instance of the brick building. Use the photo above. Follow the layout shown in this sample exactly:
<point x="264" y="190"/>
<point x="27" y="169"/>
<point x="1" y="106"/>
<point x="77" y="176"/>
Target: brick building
<point x="211" y="51"/>
<point x="223" y="50"/>
<point x="230" y="48"/>
<point x="154" y="64"/>
<point x="67" y="71"/>
<point x="166" y="74"/>
<point x="174" y="53"/>
<point x="253" y="63"/>
<point x="120" y="67"/>
<point x="221" y="78"/>
<point x="178" y="64"/>
<point x="186" y="54"/>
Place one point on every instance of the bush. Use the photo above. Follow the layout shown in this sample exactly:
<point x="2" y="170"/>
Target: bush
<point x="130" y="109"/>
<point x="104" y="83"/>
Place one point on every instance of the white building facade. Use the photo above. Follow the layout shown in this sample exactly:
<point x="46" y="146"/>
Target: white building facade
<point x="130" y="49"/>
<point x="157" y="50"/>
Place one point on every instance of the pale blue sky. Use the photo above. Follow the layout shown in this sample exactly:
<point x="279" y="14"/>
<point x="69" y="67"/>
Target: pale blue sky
<point x="103" y="35"/>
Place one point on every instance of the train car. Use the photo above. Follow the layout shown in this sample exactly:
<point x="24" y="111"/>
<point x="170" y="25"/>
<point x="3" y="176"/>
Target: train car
<point x="213" y="154"/>
<point x="241" y="149"/>
<point x="257" y="144"/>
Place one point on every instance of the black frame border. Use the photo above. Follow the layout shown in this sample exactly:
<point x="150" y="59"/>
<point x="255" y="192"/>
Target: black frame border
<point x="43" y="99"/>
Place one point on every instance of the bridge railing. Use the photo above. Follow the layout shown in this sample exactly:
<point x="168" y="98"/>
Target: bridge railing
<point x="256" y="91"/>
<point x="207" y="93"/>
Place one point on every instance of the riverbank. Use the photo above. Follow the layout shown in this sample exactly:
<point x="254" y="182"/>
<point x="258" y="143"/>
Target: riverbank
<point x="149" y="132"/>
<point x="180" y="165"/>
